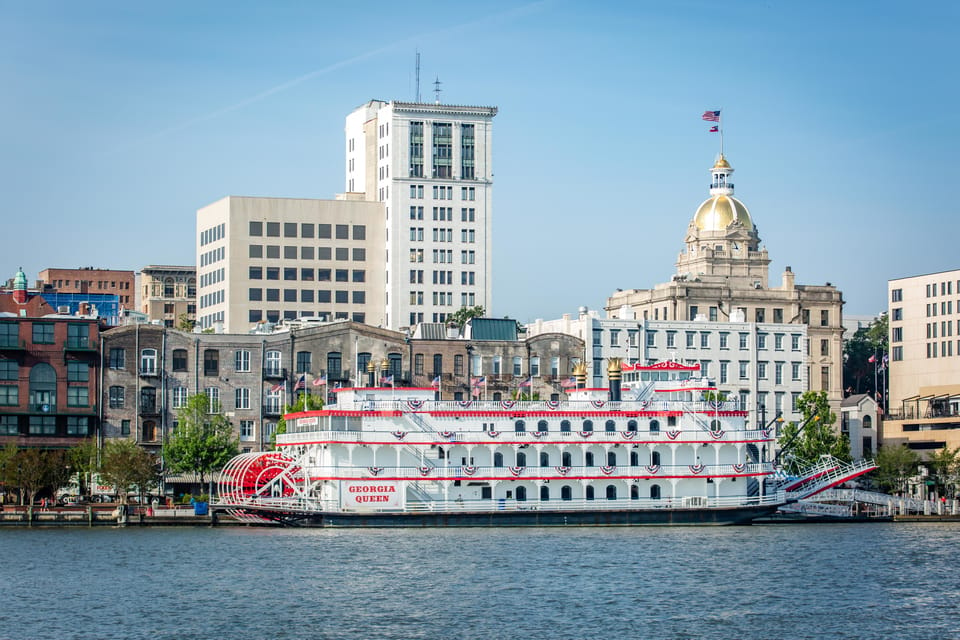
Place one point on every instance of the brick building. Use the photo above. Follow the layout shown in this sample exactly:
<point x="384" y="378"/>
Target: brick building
<point x="89" y="280"/>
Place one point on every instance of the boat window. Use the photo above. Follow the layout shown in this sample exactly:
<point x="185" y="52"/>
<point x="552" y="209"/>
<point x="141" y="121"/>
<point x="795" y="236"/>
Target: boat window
<point x="566" y="493"/>
<point x="634" y="492"/>
<point x="588" y="458"/>
<point x="521" y="494"/>
<point x="589" y="493"/>
<point x="567" y="459"/>
<point x="634" y="459"/>
<point x="588" y="425"/>
<point x="714" y="425"/>
<point x="611" y="459"/>
<point x="632" y="425"/>
<point x="655" y="492"/>
<point x="520" y="426"/>
<point x="610" y="426"/>
<point x="655" y="457"/>
<point x="521" y="459"/>
<point x="498" y="459"/>
<point x="544" y="493"/>
<point x="565" y="426"/>
<point x="542" y="426"/>
<point x="544" y="459"/>
<point x="654" y="426"/>
<point x="611" y="492"/>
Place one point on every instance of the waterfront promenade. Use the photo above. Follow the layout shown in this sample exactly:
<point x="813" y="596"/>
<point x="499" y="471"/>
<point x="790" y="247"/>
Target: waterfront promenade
<point x="110" y="515"/>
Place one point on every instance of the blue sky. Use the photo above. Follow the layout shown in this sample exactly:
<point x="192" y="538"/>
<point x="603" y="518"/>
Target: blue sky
<point x="121" y="119"/>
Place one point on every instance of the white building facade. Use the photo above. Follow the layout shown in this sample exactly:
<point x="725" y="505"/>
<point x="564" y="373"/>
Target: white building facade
<point x="431" y="167"/>
<point x="760" y="364"/>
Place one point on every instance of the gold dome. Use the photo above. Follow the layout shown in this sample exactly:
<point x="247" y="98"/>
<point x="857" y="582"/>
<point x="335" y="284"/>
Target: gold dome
<point x="719" y="212"/>
<point x="721" y="163"/>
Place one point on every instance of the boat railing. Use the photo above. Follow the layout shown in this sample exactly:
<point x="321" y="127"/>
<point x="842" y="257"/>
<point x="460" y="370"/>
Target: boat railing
<point x="501" y="406"/>
<point x="475" y="438"/>
<point x="652" y="472"/>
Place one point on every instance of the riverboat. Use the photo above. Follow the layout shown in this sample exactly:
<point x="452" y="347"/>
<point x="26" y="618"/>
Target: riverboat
<point x="658" y="450"/>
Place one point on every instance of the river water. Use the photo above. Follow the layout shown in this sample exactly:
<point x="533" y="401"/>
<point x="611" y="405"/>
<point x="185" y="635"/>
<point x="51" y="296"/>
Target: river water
<point x="777" y="581"/>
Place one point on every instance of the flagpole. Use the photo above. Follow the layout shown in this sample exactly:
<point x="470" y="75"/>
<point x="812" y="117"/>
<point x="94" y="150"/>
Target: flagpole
<point x="720" y="122"/>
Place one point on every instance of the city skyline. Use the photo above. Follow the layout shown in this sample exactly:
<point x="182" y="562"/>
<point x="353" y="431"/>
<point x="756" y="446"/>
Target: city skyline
<point x="129" y="119"/>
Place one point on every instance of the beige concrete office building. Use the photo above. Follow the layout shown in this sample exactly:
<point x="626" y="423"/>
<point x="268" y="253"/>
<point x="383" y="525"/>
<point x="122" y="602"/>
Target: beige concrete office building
<point x="923" y="408"/>
<point x="271" y="259"/>
<point x="168" y="292"/>
<point x="723" y="274"/>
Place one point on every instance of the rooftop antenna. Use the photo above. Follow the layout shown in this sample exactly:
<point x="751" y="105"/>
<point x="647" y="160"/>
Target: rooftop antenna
<point x="437" y="89"/>
<point x="418" y="77"/>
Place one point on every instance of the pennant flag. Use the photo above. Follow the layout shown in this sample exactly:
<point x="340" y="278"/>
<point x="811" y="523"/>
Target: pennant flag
<point x="711" y="116"/>
<point x="301" y="383"/>
<point x="714" y="129"/>
<point x="872" y="359"/>
<point x="318" y="382"/>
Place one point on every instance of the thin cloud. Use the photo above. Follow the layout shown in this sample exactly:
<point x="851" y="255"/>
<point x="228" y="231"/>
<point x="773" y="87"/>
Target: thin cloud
<point x="289" y="84"/>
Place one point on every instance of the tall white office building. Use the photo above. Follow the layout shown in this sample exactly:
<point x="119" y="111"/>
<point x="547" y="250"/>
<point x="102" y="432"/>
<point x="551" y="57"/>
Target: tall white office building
<point x="431" y="167"/>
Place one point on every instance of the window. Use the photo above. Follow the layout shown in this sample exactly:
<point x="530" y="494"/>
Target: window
<point x="535" y="366"/>
<point x="824" y="347"/>
<point x="744" y="370"/>
<point x="743" y="340"/>
<point x="78" y="336"/>
<point x="897" y="314"/>
<point x="760" y="315"/>
<point x="256" y="228"/>
<point x="517" y="366"/>
<point x="124" y="427"/>
<point x="78" y="372"/>
<point x="117" y="358"/>
<point x="778" y="341"/>
<point x="213" y="397"/>
<point x="9" y="370"/>
<point x="458" y="365"/>
<point x="211" y="362"/>
<point x="9" y="395"/>
<point x="148" y="361"/>
<point x="778" y="373"/>
<point x="42" y="333"/>
<point x="896" y="295"/>
<point x="273" y="361"/>
<point x="9" y="334"/>
<point x="116" y="397"/>
<point x="704" y="340"/>
<point x="179" y="359"/>
<point x="897" y="334"/>
<point x="825" y="318"/>
<point x="179" y="397"/>
<point x="246" y="430"/>
<point x="761" y="341"/>
<point x="794" y="342"/>
<point x="9" y="426"/>
<point x="723" y="340"/>
<point x="794" y="370"/>
<point x="334" y="360"/>
<point x="43" y="425"/>
<point x="762" y="370"/>
<point x="78" y="396"/>
<point x="241" y="361"/>
<point x="242" y="398"/>
<point x="691" y="337"/>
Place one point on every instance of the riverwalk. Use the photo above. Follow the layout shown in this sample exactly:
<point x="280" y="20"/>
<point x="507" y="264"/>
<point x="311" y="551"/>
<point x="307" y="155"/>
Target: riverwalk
<point x="113" y="516"/>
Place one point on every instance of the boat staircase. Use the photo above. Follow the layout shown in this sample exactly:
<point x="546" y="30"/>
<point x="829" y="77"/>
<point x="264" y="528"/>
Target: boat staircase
<point x="812" y="492"/>
<point x="644" y="391"/>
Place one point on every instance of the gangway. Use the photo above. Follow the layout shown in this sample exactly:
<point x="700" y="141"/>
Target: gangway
<point x="826" y="474"/>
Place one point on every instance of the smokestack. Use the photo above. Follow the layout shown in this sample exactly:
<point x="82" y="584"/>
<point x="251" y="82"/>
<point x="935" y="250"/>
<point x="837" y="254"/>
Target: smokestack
<point x="614" y="373"/>
<point x="371" y="373"/>
<point x="580" y="374"/>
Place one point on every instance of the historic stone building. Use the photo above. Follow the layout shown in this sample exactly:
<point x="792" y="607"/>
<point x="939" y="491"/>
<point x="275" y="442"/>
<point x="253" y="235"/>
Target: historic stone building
<point x="168" y="292"/>
<point x="723" y="274"/>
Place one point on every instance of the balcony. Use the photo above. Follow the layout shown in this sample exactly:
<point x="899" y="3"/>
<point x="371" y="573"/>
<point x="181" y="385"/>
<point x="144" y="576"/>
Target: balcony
<point x="149" y="372"/>
<point x="274" y="373"/>
<point x="149" y="409"/>
<point x="272" y="409"/>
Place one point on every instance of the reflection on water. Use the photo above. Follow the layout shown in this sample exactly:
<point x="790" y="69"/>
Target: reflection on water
<point x="800" y="581"/>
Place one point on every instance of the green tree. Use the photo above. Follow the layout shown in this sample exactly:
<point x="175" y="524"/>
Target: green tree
<point x="8" y="468"/>
<point x="305" y="402"/>
<point x="878" y="333"/>
<point x="857" y="368"/>
<point x="943" y="469"/>
<point x="184" y="323"/>
<point x="39" y="469"/>
<point x="128" y="467"/>
<point x="895" y="465"/>
<point x="203" y="441"/>
<point x="463" y="314"/>
<point x="818" y="437"/>
<point x="84" y="460"/>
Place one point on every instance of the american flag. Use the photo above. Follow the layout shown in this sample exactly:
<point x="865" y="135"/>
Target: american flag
<point x="301" y="383"/>
<point x="386" y="380"/>
<point x="278" y="387"/>
<point x="436" y="382"/>
<point x="482" y="380"/>
<point x="322" y="380"/>
<point x="569" y="383"/>
<point x="711" y="116"/>
<point x="526" y="383"/>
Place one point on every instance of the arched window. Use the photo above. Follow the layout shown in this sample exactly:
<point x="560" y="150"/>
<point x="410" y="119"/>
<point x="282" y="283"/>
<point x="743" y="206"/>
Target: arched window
<point x="714" y="425"/>
<point x="590" y="492"/>
<point x="544" y="459"/>
<point x="544" y="493"/>
<point x="655" y="457"/>
<point x="334" y="366"/>
<point x="521" y="459"/>
<point x="521" y="494"/>
<point x="179" y="359"/>
<point x="634" y="459"/>
<point x="867" y="422"/>
<point x="566" y="493"/>
<point x="565" y="426"/>
<point x="520" y="426"/>
<point x="610" y="426"/>
<point x="588" y="458"/>
<point x="395" y="366"/>
<point x="611" y="492"/>
<point x="148" y="361"/>
<point x="634" y="492"/>
<point x="498" y="459"/>
<point x="497" y="396"/>
<point x="211" y="362"/>
<point x="543" y="426"/>
<point x="655" y="492"/>
<point x="611" y="459"/>
<point x="654" y="426"/>
<point x="566" y="459"/>
<point x="43" y="387"/>
<point x="632" y="425"/>
<point x="588" y="425"/>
